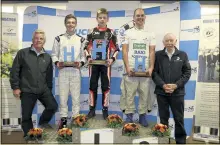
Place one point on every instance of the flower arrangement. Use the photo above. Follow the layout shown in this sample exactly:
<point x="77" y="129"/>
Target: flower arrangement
<point x="79" y="121"/>
<point x="64" y="135"/>
<point x="36" y="134"/>
<point x="114" y="121"/>
<point x="130" y="129"/>
<point x="160" y="130"/>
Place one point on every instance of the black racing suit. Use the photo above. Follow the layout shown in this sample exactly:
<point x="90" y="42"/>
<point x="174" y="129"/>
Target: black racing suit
<point x="95" y="71"/>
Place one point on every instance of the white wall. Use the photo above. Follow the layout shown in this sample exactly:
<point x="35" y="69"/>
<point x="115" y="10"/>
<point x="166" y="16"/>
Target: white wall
<point x="92" y="6"/>
<point x="109" y="5"/>
<point x="19" y="8"/>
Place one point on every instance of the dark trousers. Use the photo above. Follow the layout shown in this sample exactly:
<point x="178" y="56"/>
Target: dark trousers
<point x="96" y="71"/>
<point x="176" y="104"/>
<point x="28" y="101"/>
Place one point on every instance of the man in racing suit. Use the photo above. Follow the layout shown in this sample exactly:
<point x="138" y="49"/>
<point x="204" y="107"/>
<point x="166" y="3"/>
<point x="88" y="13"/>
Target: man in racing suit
<point x="101" y="33"/>
<point x="68" y="47"/>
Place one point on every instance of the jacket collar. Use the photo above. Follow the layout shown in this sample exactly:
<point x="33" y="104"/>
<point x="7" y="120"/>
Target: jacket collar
<point x="33" y="49"/>
<point x="175" y="53"/>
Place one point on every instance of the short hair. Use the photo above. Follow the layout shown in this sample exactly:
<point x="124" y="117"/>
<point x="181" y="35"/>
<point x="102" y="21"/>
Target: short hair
<point x="38" y="31"/>
<point x="102" y="11"/>
<point x="137" y="9"/>
<point x="69" y="17"/>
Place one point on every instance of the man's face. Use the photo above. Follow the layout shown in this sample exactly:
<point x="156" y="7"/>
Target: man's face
<point x="102" y="20"/>
<point x="139" y="17"/>
<point x="38" y="40"/>
<point x="70" y="25"/>
<point x="169" y="41"/>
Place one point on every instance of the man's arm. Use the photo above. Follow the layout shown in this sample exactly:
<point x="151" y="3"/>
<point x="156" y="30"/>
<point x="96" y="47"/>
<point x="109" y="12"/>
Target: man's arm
<point x="82" y="54"/>
<point x="125" y="56"/>
<point x="56" y="50"/>
<point x="88" y="45"/>
<point x="15" y="71"/>
<point x="186" y="73"/>
<point x="155" y="76"/>
<point x="152" y="53"/>
<point x="114" y="46"/>
<point x="49" y="75"/>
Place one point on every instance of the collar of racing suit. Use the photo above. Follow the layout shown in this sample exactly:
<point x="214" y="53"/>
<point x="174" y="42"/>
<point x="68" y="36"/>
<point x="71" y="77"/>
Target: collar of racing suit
<point x="102" y="29"/>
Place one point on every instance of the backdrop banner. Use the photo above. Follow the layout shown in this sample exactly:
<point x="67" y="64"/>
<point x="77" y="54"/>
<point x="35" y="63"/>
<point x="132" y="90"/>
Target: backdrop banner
<point x="181" y="18"/>
<point x="11" y="107"/>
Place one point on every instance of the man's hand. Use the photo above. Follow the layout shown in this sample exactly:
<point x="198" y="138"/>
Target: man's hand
<point x="167" y="88"/>
<point x="150" y="70"/>
<point x="17" y="93"/>
<point x="129" y="72"/>
<point x="59" y="65"/>
<point x="109" y="62"/>
<point x="89" y="59"/>
<point x="79" y="65"/>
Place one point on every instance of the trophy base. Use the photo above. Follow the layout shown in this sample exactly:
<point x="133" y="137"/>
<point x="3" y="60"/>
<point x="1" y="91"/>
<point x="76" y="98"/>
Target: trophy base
<point x="97" y="62"/>
<point x="69" y="64"/>
<point x="141" y="74"/>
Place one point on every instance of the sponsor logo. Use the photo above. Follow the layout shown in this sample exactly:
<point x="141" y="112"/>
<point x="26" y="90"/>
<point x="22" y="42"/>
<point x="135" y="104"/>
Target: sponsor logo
<point x="209" y="33"/>
<point x="114" y="103"/>
<point x="31" y="14"/>
<point x="9" y="19"/>
<point x="9" y="32"/>
<point x="85" y="32"/>
<point x="118" y="68"/>
<point x="172" y="10"/>
<point x="194" y="69"/>
<point x="196" y="29"/>
<point x="189" y="109"/>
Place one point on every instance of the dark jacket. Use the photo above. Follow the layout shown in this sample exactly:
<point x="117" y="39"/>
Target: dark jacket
<point x="177" y="71"/>
<point x="31" y="73"/>
<point x="211" y="59"/>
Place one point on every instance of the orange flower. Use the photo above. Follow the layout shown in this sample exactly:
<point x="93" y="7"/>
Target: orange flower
<point x="162" y="130"/>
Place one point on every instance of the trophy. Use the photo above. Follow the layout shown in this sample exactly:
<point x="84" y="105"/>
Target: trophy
<point x="71" y="63"/>
<point x="140" y="67"/>
<point x="98" y="53"/>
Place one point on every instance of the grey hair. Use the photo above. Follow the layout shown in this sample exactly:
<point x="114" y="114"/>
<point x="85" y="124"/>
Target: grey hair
<point x="38" y="31"/>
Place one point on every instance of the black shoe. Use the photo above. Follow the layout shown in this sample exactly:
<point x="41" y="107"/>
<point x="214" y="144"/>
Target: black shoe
<point x="46" y="126"/>
<point x="105" y="113"/>
<point x="63" y="123"/>
<point x="91" y="114"/>
<point x="148" y="111"/>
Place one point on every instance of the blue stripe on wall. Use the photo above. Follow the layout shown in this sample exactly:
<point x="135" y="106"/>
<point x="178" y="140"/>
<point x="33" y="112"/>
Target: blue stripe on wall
<point x="191" y="48"/>
<point x="28" y="30"/>
<point x="190" y="88"/>
<point x="115" y="86"/>
<point x="119" y="55"/>
<point x="82" y="13"/>
<point x="188" y="122"/>
<point x="35" y="109"/>
<point x="85" y="85"/>
<point x="190" y="10"/>
<point x="46" y="11"/>
<point x="151" y="11"/>
<point x="116" y="13"/>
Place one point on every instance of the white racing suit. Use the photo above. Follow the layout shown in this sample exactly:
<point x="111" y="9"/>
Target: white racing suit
<point x="68" y="48"/>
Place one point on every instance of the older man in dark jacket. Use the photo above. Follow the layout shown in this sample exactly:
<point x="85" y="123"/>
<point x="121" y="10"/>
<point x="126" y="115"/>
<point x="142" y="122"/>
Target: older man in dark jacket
<point x="31" y="80"/>
<point x="172" y="70"/>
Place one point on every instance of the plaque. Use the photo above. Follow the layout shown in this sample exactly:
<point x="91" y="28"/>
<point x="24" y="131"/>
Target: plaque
<point x="98" y="53"/>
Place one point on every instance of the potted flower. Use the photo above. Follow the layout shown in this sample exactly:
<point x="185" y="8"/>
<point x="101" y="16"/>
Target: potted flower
<point x="80" y="121"/>
<point x="162" y="132"/>
<point x="130" y="129"/>
<point x="35" y="134"/>
<point x="114" y="121"/>
<point x="64" y="135"/>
